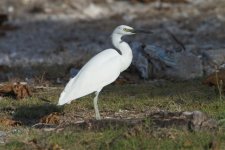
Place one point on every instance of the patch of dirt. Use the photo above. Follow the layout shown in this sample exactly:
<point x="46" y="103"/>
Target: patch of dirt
<point x="16" y="90"/>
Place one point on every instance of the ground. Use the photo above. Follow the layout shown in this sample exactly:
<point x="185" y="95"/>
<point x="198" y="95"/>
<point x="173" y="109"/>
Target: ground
<point x="130" y="101"/>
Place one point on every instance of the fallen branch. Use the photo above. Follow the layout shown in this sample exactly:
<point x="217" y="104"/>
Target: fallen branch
<point x="191" y="121"/>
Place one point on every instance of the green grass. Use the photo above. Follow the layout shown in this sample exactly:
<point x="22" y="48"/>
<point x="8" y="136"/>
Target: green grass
<point x="178" y="96"/>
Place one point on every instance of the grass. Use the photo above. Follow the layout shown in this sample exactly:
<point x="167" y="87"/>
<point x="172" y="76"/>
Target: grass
<point x="178" y="96"/>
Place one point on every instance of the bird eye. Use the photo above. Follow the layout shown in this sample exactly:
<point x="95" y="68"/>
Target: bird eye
<point x="125" y="29"/>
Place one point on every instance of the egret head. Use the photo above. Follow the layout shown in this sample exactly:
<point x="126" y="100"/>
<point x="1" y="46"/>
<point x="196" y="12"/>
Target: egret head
<point x="126" y="30"/>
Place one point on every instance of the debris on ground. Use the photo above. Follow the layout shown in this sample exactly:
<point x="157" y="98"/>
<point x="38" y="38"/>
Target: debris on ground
<point x="53" y="118"/>
<point x="18" y="90"/>
<point x="9" y="122"/>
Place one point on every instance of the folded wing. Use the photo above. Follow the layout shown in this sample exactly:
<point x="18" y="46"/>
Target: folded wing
<point x="101" y="70"/>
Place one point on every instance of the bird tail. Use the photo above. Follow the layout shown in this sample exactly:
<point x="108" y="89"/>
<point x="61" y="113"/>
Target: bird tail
<point x="63" y="96"/>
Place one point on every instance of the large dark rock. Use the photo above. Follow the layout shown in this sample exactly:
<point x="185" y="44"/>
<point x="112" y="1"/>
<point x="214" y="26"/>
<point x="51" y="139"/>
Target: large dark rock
<point x="154" y="61"/>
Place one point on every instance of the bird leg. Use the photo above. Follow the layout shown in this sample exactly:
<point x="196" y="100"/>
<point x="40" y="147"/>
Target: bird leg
<point x="97" y="115"/>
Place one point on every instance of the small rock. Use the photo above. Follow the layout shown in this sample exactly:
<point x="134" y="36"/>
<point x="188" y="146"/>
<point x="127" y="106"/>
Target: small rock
<point x="210" y="124"/>
<point x="2" y="137"/>
<point x="197" y="119"/>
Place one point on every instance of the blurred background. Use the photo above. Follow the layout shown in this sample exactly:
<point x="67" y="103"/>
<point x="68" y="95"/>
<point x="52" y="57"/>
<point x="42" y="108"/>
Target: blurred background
<point x="54" y="38"/>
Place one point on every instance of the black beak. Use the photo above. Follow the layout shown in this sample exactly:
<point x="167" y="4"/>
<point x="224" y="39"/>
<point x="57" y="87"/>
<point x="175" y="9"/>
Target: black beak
<point x="142" y="31"/>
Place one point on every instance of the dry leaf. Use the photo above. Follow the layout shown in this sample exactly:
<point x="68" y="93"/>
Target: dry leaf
<point x="9" y="122"/>
<point x="53" y="118"/>
<point x="16" y="90"/>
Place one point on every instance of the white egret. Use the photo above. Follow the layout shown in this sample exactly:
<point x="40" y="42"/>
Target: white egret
<point x="101" y="70"/>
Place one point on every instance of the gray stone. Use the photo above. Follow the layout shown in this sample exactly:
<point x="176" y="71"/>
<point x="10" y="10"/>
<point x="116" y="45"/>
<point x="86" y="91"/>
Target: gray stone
<point x="155" y="52"/>
<point x="139" y="60"/>
<point x="188" y="66"/>
<point x="210" y="124"/>
<point x="198" y="118"/>
<point x="154" y="61"/>
<point x="192" y="121"/>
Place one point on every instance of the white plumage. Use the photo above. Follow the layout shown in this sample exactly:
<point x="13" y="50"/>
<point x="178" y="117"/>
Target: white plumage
<point x="93" y="76"/>
<point x="101" y="70"/>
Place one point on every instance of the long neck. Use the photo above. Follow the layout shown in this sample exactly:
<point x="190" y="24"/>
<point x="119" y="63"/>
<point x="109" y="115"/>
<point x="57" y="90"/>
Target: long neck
<point x="126" y="56"/>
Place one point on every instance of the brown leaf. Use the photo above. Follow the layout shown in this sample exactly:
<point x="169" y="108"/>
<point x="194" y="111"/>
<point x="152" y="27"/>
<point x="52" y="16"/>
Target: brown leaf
<point x="16" y="90"/>
<point x="9" y="122"/>
<point x="53" y="118"/>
